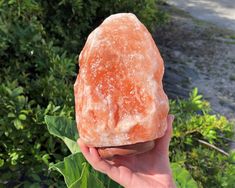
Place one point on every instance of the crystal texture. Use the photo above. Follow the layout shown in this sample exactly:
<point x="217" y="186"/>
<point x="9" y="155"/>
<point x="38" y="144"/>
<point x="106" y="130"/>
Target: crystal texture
<point x="119" y="97"/>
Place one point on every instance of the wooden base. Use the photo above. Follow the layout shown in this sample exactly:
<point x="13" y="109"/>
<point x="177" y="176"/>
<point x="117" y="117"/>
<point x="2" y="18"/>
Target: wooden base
<point x="109" y="152"/>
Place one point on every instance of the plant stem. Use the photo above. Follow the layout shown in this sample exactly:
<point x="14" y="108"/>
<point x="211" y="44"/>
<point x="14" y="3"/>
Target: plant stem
<point x="212" y="146"/>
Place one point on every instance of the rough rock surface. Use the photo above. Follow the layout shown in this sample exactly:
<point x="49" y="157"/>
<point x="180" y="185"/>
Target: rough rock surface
<point x="119" y="97"/>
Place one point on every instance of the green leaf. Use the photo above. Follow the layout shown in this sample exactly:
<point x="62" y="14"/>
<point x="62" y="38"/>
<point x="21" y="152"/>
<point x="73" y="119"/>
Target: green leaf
<point x="194" y="92"/>
<point x="87" y="179"/>
<point x="36" y="177"/>
<point x="22" y="117"/>
<point x="18" y="124"/>
<point x="17" y="91"/>
<point x="76" y="172"/>
<point x="65" y="129"/>
<point x="232" y="157"/>
<point x="198" y="97"/>
<point x="11" y="2"/>
<point x="1" y="162"/>
<point x="45" y="158"/>
<point x="11" y="115"/>
<point x="182" y="177"/>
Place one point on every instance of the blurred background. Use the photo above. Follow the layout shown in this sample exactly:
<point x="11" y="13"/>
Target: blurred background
<point x="39" y="45"/>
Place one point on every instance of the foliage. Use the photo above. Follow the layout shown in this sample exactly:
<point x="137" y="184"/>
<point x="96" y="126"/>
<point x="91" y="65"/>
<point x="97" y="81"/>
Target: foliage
<point x="38" y="47"/>
<point x="76" y="171"/>
<point x="190" y="158"/>
<point x="83" y="16"/>
<point x="65" y="130"/>
<point x="182" y="177"/>
<point x="194" y="126"/>
<point x="22" y="144"/>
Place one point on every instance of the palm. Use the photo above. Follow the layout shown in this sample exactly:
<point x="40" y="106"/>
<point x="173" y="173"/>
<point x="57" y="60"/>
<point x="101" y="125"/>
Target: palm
<point x="150" y="169"/>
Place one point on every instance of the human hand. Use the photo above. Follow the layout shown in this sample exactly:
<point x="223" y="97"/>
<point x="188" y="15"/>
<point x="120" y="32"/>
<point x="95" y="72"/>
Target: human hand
<point x="150" y="169"/>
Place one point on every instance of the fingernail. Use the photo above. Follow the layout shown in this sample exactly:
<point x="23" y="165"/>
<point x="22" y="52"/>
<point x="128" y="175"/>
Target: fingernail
<point x="172" y="117"/>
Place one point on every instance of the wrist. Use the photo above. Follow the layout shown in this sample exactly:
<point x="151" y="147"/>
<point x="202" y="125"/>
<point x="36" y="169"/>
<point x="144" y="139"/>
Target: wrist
<point x="167" y="181"/>
<point x="170" y="183"/>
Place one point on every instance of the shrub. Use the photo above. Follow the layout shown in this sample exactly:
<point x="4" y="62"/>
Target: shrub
<point x="80" y="17"/>
<point x="201" y="142"/>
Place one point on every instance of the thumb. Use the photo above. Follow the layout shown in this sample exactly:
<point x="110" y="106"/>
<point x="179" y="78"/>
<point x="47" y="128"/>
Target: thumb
<point x="162" y="144"/>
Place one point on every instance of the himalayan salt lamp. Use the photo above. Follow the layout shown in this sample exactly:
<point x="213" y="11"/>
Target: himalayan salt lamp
<point x="119" y="99"/>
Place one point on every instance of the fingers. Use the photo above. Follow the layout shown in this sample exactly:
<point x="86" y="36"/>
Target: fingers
<point x="93" y="158"/>
<point x="162" y="144"/>
<point x="169" y="131"/>
<point x="97" y="163"/>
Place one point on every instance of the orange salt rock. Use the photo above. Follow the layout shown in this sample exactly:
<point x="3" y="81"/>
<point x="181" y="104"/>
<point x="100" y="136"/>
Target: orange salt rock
<point x="119" y="97"/>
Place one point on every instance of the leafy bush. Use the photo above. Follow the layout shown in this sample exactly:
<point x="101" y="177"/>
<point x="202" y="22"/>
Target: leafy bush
<point x="38" y="47"/>
<point x="80" y="17"/>
<point x="201" y="142"/>
<point x="194" y="149"/>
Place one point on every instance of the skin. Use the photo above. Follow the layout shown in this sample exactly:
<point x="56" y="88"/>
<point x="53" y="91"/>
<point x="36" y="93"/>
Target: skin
<point x="150" y="169"/>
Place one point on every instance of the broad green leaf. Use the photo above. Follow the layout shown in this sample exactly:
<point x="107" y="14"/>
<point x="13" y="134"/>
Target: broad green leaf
<point x="87" y="179"/>
<point x="76" y="172"/>
<point x="65" y="129"/>
<point x="109" y="183"/>
<point x="182" y="177"/>
<point x="71" y="168"/>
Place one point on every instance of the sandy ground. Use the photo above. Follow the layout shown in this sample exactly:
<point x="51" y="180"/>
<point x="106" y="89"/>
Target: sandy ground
<point x="204" y="34"/>
<point x="220" y="12"/>
<point x="199" y="54"/>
